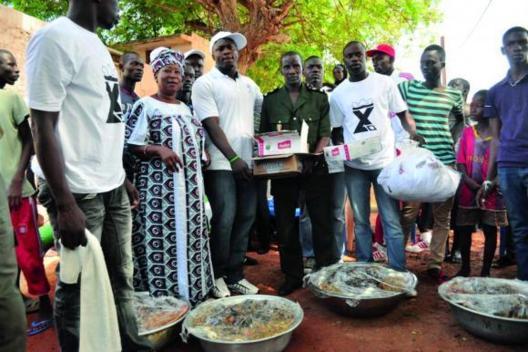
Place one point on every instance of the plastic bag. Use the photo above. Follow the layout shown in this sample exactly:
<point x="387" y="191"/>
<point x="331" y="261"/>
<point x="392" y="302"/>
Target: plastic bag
<point x="499" y="297"/>
<point x="417" y="175"/>
<point x="157" y="313"/>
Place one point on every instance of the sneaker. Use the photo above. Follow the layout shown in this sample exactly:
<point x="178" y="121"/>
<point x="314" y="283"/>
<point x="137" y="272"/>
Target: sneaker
<point x="379" y="253"/>
<point x="244" y="287"/>
<point x="220" y="289"/>
<point x="418" y="247"/>
<point x="426" y="237"/>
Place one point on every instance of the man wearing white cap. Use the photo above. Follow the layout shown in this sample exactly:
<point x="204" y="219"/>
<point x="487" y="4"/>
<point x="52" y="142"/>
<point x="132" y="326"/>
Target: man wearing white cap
<point x="195" y="58"/>
<point x="226" y="102"/>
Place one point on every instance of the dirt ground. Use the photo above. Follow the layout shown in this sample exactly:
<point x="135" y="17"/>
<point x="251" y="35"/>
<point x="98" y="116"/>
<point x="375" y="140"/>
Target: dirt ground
<point x="424" y="323"/>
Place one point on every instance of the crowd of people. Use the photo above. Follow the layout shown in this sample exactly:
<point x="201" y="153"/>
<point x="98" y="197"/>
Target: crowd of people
<point x="139" y="172"/>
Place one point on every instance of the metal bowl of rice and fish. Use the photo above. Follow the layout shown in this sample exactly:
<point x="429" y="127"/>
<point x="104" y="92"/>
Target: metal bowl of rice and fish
<point x="251" y="323"/>
<point x="493" y="309"/>
<point x="362" y="290"/>
<point x="159" y="318"/>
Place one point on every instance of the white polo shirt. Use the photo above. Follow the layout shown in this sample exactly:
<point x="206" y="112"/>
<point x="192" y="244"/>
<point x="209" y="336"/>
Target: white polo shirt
<point x="235" y="103"/>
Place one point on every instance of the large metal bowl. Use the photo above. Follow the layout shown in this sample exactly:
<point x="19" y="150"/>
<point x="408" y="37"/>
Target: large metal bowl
<point x="163" y="335"/>
<point x="276" y="343"/>
<point x="489" y="327"/>
<point x="362" y="307"/>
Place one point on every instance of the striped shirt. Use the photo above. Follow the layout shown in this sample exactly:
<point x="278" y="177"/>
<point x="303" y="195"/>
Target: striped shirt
<point x="430" y="109"/>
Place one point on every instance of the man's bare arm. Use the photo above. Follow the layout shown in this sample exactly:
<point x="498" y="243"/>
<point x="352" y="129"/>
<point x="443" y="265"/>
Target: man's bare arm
<point x="15" y="188"/>
<point x="219" y="139"/>
<point x="70" y="218"/>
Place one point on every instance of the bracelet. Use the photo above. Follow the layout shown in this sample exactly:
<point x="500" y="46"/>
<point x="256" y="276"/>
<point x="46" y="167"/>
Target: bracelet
<point x="233" y="159"/>
<point x="145" y="149"/>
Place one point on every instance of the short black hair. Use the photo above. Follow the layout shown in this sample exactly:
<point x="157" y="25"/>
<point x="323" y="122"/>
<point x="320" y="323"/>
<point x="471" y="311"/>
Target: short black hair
<point x="436" y="47"/>
<point x="481" y="93"/>
<point x="125" y="57"/>
<point x="312" y="57"/>
<point x="516" y="29"/>
<point x="291" y="53"/>
<point x="354" y="42"/>
<point x="465" y="83"/>
<point x="345" y="73"/>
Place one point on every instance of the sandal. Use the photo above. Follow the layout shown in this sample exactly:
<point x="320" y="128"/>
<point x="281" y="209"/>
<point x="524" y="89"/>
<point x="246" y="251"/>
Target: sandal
<point x="39" y="326"/>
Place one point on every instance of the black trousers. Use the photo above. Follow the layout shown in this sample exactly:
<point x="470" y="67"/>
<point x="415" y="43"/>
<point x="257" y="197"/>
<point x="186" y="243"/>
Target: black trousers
<point x="317" y="188"/>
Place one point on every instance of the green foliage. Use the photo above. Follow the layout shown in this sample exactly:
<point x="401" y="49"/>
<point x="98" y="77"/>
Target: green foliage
<point x="323" y="27"/>
<point x="313" y="27"/>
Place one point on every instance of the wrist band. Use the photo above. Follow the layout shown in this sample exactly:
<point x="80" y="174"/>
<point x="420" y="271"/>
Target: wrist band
<point x="145" y="150"/>
<point x="233" y="159"/>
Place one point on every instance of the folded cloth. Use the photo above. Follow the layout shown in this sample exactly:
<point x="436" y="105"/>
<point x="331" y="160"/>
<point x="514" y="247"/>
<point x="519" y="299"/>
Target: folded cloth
<point x="99" y="329"/>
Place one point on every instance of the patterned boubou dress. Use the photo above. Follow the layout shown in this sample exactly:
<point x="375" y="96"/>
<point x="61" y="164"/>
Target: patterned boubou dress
<point x="170" y="235"/>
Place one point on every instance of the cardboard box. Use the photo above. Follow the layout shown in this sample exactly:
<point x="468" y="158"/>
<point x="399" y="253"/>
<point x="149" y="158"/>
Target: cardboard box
<point x="282" y="142"/>
<point x="278" y="166"/>
<point x="353" y="150"/>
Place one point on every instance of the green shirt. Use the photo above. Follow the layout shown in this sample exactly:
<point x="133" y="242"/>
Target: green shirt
<point x="279" y="113"/>
<point x="430" y="109"/>
<point x="13" y="111"/>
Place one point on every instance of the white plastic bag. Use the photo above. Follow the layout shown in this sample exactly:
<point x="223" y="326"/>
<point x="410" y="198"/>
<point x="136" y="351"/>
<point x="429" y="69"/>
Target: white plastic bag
<point x="417" y="175"/>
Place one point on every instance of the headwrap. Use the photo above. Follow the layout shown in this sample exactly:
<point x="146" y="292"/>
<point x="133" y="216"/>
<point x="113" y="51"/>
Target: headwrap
<point x="167" y="57"/>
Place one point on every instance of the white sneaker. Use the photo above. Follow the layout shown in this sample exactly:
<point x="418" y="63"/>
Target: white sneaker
<point x="418" y="247"/>
<point x="426" y="237"/>
<point x="220" y="289"/>
<point x="244" y="287"/>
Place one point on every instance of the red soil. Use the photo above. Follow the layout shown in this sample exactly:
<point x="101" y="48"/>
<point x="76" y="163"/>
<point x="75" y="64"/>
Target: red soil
<point x="424" y="323"/>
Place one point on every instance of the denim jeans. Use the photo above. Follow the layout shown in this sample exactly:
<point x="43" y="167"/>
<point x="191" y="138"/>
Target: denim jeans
<point x="12" y="314"/>
<point x="358" y="184"/>
<point x="338" y="218"/>
<point x="108" y="218"/>
<point x="338" y="206"/>
<point x="514" y="186"/>
<point x="234" y="205"/>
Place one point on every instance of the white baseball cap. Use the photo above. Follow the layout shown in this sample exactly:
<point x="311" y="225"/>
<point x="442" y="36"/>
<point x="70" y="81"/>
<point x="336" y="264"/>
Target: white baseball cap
<point x="238" y="38"/>
<point x="194" y="52"/>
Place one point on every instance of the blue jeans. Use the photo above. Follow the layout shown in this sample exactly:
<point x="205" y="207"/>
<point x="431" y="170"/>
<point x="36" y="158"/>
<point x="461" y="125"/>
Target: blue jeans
<point x="358" y="184"/>
<point x="338" y="218"/>
<point x="514" y="186"/>
<point x="234" y="205"/>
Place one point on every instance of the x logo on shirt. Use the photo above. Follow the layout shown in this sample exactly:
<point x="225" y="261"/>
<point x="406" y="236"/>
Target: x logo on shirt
<point x="363" y="113"/>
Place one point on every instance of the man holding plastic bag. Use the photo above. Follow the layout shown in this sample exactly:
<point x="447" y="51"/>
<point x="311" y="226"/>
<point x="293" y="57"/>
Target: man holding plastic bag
<point x="430" y="104"/>
<point x="359" y="110"/>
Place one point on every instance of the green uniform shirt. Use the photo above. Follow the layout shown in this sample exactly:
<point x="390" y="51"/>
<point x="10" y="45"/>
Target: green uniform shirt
<point x="13" y="111"/>
<point x="279" y="113"/>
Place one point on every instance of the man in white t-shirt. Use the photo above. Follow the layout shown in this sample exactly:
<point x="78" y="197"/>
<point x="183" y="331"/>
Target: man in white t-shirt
<point x="359" y="109"/>
<point x="77" y="122"/>
<point x="226" y="101"/>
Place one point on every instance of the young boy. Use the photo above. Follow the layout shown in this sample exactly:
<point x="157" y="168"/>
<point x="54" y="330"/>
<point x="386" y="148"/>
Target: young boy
<point x="17" y="147"/>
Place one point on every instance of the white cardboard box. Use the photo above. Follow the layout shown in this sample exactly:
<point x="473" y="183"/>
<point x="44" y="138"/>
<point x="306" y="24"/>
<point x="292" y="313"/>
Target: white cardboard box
<point x="353" y="150"/>
<point x="282" y="142"/>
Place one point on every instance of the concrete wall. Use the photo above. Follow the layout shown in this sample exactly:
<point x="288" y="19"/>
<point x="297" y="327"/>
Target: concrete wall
<point x="16" y="29"/>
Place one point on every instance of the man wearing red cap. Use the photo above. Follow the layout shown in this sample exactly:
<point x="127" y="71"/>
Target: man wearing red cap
<point x="383" y="57"/>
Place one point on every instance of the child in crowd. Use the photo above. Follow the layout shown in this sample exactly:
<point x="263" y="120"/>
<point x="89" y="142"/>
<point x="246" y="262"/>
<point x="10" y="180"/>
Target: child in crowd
<point x="472" y="161"/>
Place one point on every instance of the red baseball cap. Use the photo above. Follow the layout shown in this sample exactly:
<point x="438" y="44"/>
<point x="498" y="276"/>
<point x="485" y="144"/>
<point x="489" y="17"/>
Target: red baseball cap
<point x="382" y="48"/>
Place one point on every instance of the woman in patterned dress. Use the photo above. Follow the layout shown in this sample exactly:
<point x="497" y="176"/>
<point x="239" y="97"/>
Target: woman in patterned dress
<point x="170" y="235"/>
